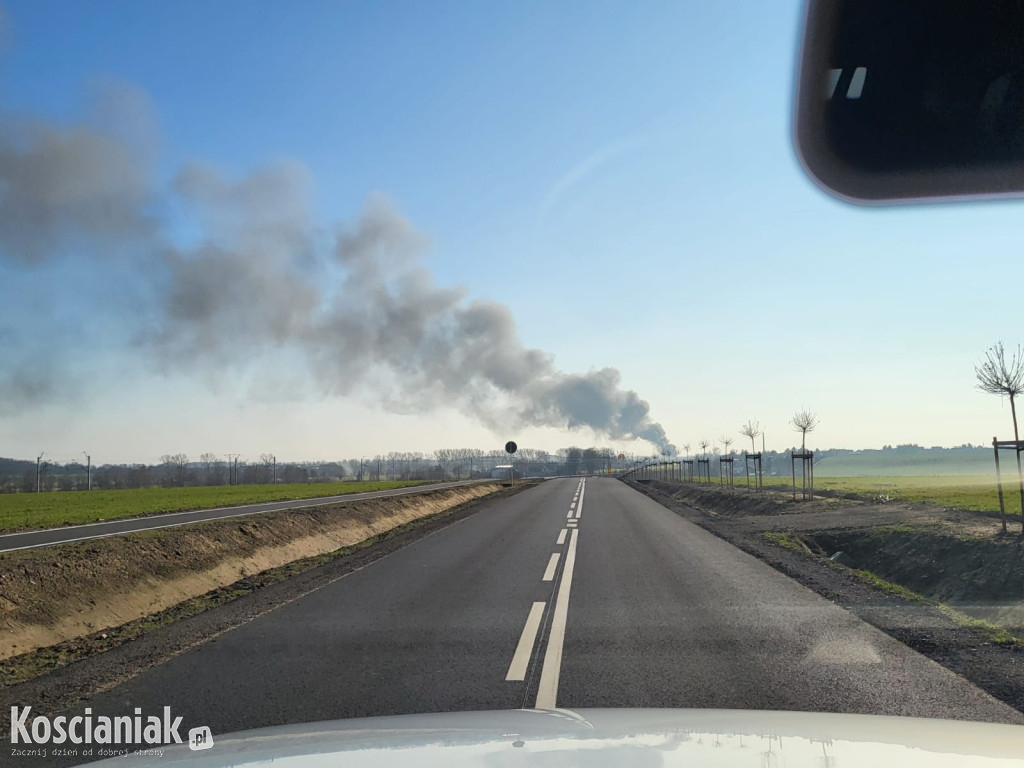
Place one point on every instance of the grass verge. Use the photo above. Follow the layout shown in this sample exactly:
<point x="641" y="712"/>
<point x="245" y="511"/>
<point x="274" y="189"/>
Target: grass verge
<point x="30" y="511"/>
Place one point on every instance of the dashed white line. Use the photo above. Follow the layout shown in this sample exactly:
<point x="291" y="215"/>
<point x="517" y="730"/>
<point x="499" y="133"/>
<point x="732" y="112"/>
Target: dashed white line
<point x="521" y="658"/>
<point x="561" y="536"/>
<point x="547" y="690"/>
<point x="549" y="572"/>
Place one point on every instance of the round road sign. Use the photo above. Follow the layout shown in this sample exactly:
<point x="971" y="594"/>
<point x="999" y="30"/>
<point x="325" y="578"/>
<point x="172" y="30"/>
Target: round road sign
<point x="510" y="447"/>
<point x="622" y="456"/>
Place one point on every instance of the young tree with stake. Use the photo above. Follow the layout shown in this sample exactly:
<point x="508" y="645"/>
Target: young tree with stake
<point x="803" y="422"/>
<point x="751" y="429"/>
<point x="996" y="376"/>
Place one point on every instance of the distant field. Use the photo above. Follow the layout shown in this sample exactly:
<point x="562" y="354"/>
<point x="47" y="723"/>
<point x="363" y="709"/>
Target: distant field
<point x="957" y="461"/>
<point x="23" y="511"/>
<point x="973" y="492"/>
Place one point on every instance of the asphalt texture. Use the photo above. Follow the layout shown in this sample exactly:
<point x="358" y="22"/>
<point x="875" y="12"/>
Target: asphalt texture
<point x="11" y="542"/>
<point x="657" y="613"/>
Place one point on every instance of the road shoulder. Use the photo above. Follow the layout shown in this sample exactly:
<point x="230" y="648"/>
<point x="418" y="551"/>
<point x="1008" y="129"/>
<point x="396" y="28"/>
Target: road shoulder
<point x="996" y="669"/>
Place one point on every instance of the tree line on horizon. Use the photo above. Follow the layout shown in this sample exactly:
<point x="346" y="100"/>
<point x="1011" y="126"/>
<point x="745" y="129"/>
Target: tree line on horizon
<point x="180" y="470"/>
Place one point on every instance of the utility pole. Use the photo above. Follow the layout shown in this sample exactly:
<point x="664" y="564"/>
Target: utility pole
<point x="275" y="470"/>
<point x="232" y="467"/>
<point x="39" y="460"/>
<point x="88" y="471"/>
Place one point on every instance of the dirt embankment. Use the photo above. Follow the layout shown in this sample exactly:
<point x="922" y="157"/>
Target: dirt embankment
<point x="981" y="576"/>
<point x="55" y="594"/>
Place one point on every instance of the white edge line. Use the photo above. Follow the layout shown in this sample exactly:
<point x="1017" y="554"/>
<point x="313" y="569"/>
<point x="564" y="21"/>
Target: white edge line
<point x="521" y="658"/>
<point x="549" y="572"/>
<point x="547" y="689"/>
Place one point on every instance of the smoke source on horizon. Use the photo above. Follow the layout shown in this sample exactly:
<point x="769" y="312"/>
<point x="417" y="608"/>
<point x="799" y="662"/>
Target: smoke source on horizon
<point x="355" y="301"/>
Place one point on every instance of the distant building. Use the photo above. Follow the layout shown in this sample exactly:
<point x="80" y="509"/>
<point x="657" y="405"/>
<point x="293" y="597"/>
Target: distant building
<point x="504" y="472"/>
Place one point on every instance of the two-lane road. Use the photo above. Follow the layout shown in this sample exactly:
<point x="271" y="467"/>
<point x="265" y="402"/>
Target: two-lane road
<point x="571" y="594"/>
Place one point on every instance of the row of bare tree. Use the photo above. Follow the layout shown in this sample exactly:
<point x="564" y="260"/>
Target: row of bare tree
<point x="803" y="421"/>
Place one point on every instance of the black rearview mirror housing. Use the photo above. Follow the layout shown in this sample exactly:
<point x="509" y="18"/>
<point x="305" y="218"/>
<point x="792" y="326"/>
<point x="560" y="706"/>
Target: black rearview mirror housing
<point x="902" y="100"/>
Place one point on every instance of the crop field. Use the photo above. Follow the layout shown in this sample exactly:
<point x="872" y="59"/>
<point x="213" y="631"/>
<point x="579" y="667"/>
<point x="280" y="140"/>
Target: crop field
<point x="27" y="511"/>
<point x="972" y="492"/>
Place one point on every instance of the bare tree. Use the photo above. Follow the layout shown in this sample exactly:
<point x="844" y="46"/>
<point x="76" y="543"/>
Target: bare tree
<point x="167" y="460"/>
<point x="208" y="459"/>
<point x="751" y="429"/>
<point x="445" y="457"/>
<point x="476" y="460"/>
<point x="180" y="461"/>
<point x="394" y="460"/>
<point x="803" y="422"/>
<point x="269" y="462"/>
<point x="996" y="376"/>
<point x="726" y="441"/>
<point x="686" y="447"/>
<point x="704" y="446"/>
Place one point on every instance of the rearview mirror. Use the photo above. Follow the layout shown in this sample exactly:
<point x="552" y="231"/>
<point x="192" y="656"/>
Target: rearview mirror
<point x="912" y="99"/>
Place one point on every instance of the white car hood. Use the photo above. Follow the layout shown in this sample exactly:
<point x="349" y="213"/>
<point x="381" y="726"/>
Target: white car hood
<point x="637" y="738"/>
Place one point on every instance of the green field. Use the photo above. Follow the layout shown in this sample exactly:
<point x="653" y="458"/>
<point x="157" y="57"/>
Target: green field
<point x="971" y="492"/>
<point x="919" y="463"/>
<point x="977" y="492"/>
<point x="24" y="511"/>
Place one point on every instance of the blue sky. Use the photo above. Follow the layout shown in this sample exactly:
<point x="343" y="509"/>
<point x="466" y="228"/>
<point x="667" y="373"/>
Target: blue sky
<point x="620" y="175"/>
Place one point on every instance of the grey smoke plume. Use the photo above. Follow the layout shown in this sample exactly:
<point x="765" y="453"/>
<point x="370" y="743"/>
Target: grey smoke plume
<point x="357" y="304"/>
<point x="74" y="188"/>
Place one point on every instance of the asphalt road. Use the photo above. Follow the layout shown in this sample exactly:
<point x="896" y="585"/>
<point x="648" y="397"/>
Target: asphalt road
<point x="11" y="542"/>
<point x="526" y="604"/>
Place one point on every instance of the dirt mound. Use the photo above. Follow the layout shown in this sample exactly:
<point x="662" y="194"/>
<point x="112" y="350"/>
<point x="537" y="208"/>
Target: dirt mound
<point x="58" y="593"/>
<point x="981" y="576"/>
<point x="718" y="501"/>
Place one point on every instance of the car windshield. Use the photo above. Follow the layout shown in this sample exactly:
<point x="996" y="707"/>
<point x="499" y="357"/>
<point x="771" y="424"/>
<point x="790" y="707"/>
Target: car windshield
<point x="369" y="359"/>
